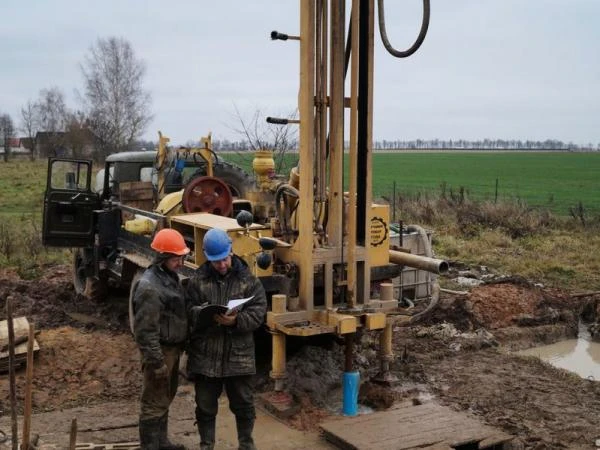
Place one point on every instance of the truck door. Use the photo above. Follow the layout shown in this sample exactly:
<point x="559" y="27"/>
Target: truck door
<point x="69" y="204"/>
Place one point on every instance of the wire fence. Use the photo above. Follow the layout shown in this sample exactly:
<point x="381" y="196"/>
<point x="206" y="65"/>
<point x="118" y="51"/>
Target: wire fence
<point x="560" y="200"/>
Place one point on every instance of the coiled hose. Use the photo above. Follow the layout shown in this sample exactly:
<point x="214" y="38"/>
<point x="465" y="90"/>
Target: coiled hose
<point x="420" y="38"/>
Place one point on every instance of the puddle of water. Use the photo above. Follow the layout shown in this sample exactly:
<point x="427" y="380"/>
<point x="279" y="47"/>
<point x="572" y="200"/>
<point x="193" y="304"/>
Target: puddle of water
<point x="580" y="356"/>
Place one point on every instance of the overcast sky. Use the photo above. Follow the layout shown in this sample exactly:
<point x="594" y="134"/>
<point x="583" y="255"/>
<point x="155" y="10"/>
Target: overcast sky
<point x="487" y="69"/>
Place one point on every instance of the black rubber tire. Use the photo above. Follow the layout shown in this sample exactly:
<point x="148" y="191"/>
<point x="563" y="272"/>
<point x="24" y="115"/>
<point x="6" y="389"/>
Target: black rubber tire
<point x="237" y="179"/>
<point x="138" y="274"/>
<point x="91" y="287"/>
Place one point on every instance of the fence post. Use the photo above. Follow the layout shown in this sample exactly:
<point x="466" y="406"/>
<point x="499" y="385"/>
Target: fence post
<point x="394" y="202"/>
<point x="496" y="194"/>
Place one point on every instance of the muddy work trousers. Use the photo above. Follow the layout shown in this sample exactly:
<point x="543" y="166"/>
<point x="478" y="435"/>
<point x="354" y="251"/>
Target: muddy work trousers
<point x="158" y="393"/>
<point x="240" y="393"/>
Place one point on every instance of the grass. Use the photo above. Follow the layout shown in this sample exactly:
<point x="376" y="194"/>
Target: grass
<point x="22" y="185"/>
<point x="508" y="236"/>
<point x="554" y="181"/>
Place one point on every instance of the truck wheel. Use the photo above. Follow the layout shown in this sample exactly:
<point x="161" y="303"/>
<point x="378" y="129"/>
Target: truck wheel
<point x="92" y="288"/>
<point x="237" y="180"/>
<point x="138" y="274"/>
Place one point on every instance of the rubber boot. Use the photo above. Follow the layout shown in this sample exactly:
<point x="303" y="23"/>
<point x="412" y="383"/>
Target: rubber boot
<point x="163" y="437"/>
<point x="149" y="434"/>
<point x="244" y="430"/>
<point x="207" y="435"/>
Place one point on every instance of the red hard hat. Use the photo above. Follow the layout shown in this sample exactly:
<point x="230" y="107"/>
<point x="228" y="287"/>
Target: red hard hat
<point x="168" y="240"/>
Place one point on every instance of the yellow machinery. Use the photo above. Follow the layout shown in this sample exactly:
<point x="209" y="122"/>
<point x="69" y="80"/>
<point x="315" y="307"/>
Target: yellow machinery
<point x="347" y="234"/>
<point x="322" y="253"/>
<point x="323" y="243"/>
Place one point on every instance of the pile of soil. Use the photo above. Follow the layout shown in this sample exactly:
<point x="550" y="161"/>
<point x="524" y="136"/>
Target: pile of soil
<point x="457" y="355"/>
<point x="87" y="354"/>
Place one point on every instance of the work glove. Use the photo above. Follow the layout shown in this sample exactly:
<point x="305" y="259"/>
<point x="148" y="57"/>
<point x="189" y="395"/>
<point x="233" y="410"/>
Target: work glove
<point x="161" y="372"/>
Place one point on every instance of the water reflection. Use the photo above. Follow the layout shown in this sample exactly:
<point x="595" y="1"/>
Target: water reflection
<point x="581" y="356"/>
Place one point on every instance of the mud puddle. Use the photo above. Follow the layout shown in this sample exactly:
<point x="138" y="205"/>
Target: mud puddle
<point x="580" y="356"/>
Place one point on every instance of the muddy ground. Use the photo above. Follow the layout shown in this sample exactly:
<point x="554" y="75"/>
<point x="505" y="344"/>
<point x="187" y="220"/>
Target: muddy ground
<point x="460" y="356"/>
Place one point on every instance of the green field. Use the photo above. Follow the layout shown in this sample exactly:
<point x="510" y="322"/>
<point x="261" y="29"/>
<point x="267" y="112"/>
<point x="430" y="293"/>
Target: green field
<point x="565" y="255"/>
<point x="555" y="181"/>
<point x="22" y="185"/>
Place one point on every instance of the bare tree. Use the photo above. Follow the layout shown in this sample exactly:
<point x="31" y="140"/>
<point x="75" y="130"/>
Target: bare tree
<point x="260" y="135"/>
<point x="7" y="131"/>
<point x="30" y="125"/>
<point x="52" y="117"/>
<point x="52" y="109"/>
<point x="78" y="135"/>
<point x="117" y="106"/>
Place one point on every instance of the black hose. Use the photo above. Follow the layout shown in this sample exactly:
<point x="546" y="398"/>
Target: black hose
<point x="416" y="44"/>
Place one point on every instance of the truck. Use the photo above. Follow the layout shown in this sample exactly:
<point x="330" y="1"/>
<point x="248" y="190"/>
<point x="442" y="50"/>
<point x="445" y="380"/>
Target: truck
<point x="324" y="250"/>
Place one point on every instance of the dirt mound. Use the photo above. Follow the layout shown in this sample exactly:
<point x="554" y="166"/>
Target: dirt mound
<point x="506" y="303"/>
<point x="86" y="352"/>
<point x="75" y="367"/>
<point x="51" y="302"/>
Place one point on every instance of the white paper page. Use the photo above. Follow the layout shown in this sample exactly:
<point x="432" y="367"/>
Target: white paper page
<point x="232" y="304"/>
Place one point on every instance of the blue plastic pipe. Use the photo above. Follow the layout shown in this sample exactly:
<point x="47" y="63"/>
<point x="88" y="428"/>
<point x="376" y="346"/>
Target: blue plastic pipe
<point x="350" y="383"/>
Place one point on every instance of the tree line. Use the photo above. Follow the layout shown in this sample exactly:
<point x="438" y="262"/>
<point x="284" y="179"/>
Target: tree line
<point x="433" y="144"/>
<point x="482" y="144"/>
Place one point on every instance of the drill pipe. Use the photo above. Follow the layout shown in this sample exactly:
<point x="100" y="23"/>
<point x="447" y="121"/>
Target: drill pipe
<point x="432" y="265"/>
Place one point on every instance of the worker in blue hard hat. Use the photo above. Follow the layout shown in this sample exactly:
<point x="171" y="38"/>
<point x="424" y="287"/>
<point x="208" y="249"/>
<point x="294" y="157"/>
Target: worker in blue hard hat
<point x="221" y="354"/>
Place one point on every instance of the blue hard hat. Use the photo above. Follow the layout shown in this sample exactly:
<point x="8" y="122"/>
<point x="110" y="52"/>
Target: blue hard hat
<point x="216" y="244"/>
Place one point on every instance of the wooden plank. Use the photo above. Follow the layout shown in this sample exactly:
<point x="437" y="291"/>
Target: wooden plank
<point x="135" y="190"/>
<point x="21" y="325"/>
<point x="426" y="426"/>
<point x="115" y="446"/>
<point x="21" y="328"/>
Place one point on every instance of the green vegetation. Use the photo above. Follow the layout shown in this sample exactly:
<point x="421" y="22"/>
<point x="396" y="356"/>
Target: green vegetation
<point x="555" y="181"/>
<point x="22" y="185"/>
<point x="508" y="236"/>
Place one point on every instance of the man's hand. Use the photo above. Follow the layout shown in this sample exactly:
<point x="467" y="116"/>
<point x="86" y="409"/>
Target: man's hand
<point x="227" y="320"/>
<point x="161" y="372"/>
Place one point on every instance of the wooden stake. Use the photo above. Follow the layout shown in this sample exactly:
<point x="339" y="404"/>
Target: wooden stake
<point x="28" y="389"/>
<point x="11" y="374"/>
<point x="73" y="438"/>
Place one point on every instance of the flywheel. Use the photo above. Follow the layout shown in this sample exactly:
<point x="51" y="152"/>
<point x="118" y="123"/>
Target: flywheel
<point x="207" y="194"/>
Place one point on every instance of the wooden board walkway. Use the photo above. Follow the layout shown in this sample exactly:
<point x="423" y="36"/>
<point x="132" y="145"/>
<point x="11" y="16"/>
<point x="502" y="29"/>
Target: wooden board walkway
<point x="428" y="426"/>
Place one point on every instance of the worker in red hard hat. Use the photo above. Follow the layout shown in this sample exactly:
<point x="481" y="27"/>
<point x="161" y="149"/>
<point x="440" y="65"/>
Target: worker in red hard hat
<point x="160" y="329"/>
<point x="221" y="353"/>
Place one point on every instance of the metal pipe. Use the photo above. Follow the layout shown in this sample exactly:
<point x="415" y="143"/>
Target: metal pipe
<point x="385" y="343"/>
<point x="278" y="360"/>
<point x="432" y="265"/>
<point x="349" y="352"/>
<point x="353" y="159"/>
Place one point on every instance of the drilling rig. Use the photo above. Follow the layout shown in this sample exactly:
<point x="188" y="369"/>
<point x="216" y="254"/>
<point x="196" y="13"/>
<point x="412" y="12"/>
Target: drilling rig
<point x="347" y="232"/>
<point x="322" y="252"/>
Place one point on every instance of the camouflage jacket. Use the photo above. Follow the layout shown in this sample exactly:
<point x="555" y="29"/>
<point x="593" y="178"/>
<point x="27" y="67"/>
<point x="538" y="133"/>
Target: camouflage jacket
<point x="221" y="351"/>
<point x="160" y="316"/>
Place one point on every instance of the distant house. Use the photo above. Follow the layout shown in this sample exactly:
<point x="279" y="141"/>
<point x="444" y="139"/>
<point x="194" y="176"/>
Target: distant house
<point x="16" y="146"/>
<point x="80" y="143"/>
